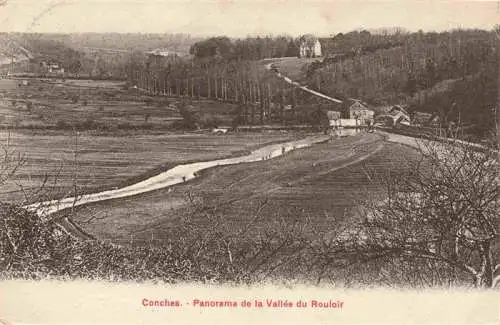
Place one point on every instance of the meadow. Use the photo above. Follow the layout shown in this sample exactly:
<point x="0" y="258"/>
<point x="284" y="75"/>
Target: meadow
<point x="100" y="106"/>
<point x="294" y="68"/>
<point x="72" y="143"/>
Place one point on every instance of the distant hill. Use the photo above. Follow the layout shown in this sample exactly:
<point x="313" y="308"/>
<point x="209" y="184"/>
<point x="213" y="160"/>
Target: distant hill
<point x="91" y="54"/>
<point x="118" y="41"/>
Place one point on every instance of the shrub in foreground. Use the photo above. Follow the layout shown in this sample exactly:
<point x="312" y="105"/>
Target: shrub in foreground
<point x="204" y="250"/>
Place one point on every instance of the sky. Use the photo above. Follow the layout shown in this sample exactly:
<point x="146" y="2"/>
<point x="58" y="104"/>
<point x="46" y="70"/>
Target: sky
<point x="239" y="18"/>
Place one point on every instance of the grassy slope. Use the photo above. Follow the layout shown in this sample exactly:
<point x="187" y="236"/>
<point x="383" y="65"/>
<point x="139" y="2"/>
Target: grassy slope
<point x="294" y="67"/>
<point x="321" y="183"/>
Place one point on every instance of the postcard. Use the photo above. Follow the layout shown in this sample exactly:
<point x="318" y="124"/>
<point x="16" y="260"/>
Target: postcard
<point x="249" y="162"/>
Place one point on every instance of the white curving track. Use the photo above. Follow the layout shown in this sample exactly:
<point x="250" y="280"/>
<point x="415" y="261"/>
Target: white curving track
<point x="176" y="175"/>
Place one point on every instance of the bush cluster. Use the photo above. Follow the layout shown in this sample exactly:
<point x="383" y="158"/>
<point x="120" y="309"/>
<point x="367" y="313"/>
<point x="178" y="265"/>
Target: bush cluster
<point x="200" y="249"/>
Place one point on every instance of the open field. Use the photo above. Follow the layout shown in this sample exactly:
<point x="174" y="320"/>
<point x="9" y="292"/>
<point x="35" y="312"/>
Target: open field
<point x="94" y="105"/>
<point x="317" y="185"/>
<point x="108" y="161"/>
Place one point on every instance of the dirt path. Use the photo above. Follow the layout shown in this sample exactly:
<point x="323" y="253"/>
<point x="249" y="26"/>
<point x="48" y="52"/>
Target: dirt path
<point x="304" y="88"/>
<point x="423" y="143"/>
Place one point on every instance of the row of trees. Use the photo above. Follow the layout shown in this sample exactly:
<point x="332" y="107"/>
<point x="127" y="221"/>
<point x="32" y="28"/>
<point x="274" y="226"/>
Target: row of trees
<point x="456" y="55"/>
<point x="260" y="97"/>
<point x="413" y="64"/>
<point x="362" y="41"/>
<point x="251" y="48"/>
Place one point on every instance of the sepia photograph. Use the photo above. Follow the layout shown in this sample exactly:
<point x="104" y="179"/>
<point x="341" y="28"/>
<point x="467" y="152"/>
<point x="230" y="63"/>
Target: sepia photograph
<point x="249" y="162"/>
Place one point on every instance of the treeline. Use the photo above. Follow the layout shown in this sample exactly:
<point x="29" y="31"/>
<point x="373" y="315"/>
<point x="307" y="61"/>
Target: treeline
<point x="91" y="55"/>
<point x="257" y="48"/>
<point x="362" y="42"/>
<point x="424" y="60"/>
<point x="250" y="48"/>
<point x="178" y="42"/>
<point x="470" y="102"/>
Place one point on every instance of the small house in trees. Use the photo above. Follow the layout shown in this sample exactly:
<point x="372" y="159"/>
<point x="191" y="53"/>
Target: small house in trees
<point x="49" y="66"/>
<point x="158" y="58"/>
<point x="427" y="119"/>
<point x="55" y="67"/>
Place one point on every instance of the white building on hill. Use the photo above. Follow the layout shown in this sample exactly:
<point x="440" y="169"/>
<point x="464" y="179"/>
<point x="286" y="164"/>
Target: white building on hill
<point x="310" y="48"/>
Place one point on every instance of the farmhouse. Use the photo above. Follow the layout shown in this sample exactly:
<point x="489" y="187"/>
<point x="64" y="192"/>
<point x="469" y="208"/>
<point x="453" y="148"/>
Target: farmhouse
<point x="399" y="115"/>
<point x="158" y="59"/>
<point x="55" y="68"/>
<point x="47" y="66"/>
<point x="357" y="110"/>
<point x="310" y="48"/>
<point x="164" y="53"/>
<point x="338" y="126"/>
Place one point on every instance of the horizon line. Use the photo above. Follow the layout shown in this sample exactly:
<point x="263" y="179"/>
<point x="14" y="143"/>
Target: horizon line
<point x="376" y="30"/>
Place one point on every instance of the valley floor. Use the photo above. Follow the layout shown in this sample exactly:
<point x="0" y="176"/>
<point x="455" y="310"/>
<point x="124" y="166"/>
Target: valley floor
<point x="320" y="186"/>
